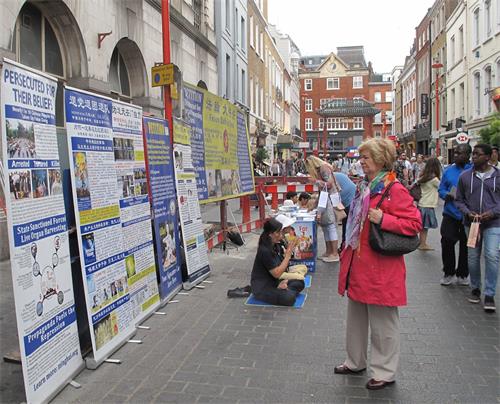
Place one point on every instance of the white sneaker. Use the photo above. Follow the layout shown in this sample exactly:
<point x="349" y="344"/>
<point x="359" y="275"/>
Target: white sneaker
<point x="334" y="258"/>
<point x="448" y="280"/>
<point x="463" y="281"/>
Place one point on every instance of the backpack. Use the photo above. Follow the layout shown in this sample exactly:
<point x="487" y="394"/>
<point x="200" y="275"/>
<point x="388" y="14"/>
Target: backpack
<point x="416" y="191"/>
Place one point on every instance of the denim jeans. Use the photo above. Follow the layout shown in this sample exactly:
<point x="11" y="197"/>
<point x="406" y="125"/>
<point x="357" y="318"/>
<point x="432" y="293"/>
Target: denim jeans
<point x="490" y="240"/>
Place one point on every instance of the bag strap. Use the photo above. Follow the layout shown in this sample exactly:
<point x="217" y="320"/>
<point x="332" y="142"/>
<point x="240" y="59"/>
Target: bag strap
<point x="385" y="194"/>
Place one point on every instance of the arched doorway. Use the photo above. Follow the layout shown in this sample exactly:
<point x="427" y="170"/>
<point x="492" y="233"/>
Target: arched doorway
<point x="47" y="38"/>
<point x="127" y="72"/>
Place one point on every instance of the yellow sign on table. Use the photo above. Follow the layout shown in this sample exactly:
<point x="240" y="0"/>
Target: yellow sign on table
<point x="162" y="75"/>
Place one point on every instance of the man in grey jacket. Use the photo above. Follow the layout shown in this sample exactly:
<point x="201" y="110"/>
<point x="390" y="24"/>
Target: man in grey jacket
<point x="478" y="197"/>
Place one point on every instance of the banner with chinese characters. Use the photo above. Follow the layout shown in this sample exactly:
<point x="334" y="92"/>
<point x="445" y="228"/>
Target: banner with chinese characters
<point x="220" y="146"/>
<point x="107" y="265"/>
<point x="135" y="211"/>
<point x="193" y="238"/>
<point x="160" y="171"/>
<point x="38" y="233"/>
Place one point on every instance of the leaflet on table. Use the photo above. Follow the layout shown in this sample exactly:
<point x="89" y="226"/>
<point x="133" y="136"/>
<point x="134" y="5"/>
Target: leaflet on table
<point x="220" y="146"/>
<point x="38" y="234"/>
<point x="108" y="264"/>
<point x="189" y="206"/>
<point x="160" y="169"/>
<point x="135" y="211"/>
<point x="305" y="252"/>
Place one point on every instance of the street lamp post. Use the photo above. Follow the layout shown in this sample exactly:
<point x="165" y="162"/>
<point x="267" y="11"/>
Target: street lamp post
<point x="437" y="66"/>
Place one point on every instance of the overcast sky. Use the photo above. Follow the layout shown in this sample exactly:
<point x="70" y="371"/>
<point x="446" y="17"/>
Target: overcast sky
<point x="385" y="28"/>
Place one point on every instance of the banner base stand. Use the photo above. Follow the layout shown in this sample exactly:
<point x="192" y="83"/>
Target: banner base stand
<point x="114" y="361"/>
<point x="12" y="357"/>
<point x="188" y="285"/>
<point x="159" y="313"/>
<point x="75" y="384"/>
<point x="170" y="296"/>
<point x="207" y="281"/>
<point x="183" y="293"/>
<point x="135" y="341"/>
<point x="143" y="327"/>
<point x="68" y="380"/>
<point x="173" y="301"/>
<point x="92" y="364"/>
<point x="200" y="287"/>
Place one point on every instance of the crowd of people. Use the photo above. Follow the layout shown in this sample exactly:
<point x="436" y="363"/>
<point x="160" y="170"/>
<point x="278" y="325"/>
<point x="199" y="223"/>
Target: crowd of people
<point x="397" y="197"/>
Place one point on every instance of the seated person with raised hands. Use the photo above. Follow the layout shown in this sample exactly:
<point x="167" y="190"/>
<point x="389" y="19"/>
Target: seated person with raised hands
<point x="269" y="266"/>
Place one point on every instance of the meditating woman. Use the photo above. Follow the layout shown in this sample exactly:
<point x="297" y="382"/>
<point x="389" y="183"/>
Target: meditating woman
<point x="269" y="265"/>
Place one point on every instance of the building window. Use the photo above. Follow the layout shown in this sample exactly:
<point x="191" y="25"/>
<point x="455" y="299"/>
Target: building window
<point x="487" y="18"/>
<point x="487" y="89"/>
<point x="250" y="87"/>
<point x="308" y="104"/>
<point x="250" y="26"/>
<point x="309" y="124"/>
<point x="118" y="74"/>
<point x="358" y="122"/>
<point x="460" y="43"/>
<point x="477" y="94"/>
<point x="378" y="118"/>
<point x="357" y="82"/>
<point x="378" y="133"/>
<point x="388" y="96"/>
<point x="228" y="14"/>
<point x="308" y="84"/>
<point x="475" y="27"/>
<point x="452" y="50"/>
<point x="324" y="101"/>
<point x="461" y="100"/>
<point x="197" y="13"/>
<point x="332" y="83"/>
<point x="228" y="76"/>
<point x="243" y="29"/>
<point x="243" y="86"/>
<point x="377" y="97"/>
<point x="261" y="50"/>
<point x="452" y="104"/>
<point x="321" y="123"/>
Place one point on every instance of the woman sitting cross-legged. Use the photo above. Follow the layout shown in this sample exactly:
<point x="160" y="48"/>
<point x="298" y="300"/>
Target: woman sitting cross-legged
<point x="269" y="265"/>
<point x="375" y="283"/>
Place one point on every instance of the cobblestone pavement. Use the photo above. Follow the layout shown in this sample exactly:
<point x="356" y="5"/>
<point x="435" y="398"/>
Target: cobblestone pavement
<point x="209" y="348"/>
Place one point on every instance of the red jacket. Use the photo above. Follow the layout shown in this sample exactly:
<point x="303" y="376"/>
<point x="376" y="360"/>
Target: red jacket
<point x="370" y="277"/>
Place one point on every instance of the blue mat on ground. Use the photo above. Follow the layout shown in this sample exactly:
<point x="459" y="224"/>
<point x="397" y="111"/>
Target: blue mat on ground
<point x="307" y="281"/>
<point x="252" y="301"/>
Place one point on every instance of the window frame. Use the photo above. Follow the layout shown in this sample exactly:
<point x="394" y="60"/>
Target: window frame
<point x="308" y="124"/>
<point x="332" y="80"/>
<point x="306" y="82"/>
<point x="355" y="81"/>
<point x="308" y="105"/>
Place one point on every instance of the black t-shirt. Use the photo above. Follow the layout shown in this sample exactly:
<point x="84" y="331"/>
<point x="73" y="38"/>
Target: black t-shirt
<point x="265" y="260"/>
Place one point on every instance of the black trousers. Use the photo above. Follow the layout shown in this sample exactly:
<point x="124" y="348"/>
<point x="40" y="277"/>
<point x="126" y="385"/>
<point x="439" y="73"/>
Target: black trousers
<point x="281" y="297"/>
<point x="452" y="230"/>
<point x="344" y="225"/>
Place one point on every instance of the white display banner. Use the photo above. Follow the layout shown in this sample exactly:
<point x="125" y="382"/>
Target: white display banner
<point x="135" y="211"/>
<point x="38" y="234"/>
<point x="189" y="207"/>
<point x="105" y="265"/>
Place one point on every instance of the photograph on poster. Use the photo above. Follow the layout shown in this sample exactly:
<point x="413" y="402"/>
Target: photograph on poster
<point x="55" y="183"/>
<point x="167" y="243"/>
<point x="130" y="265"/>
<point x="106" y="329"/>
<point x="123" y="148"/>
<point x="81" y="175"/>
<point x="20" y="184"/>
<point x="179" y="164"/>
<point x="20" y="139"/>
<point x="140" y="182"/>
<point x="39" y="182"/>
<point x="103" y="291"/>
<point x="126" y="185"/>
<point x="88" y="244"/>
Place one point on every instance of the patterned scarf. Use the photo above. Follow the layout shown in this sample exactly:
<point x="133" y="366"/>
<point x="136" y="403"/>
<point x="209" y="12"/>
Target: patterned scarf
<point x="358" y="210"/>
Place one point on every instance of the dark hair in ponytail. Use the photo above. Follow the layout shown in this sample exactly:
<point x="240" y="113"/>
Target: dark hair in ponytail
<point x="270" y="226"/>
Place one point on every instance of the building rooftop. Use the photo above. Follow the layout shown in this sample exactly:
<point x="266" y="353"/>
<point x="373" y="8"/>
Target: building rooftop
<point x="354" y="56"/>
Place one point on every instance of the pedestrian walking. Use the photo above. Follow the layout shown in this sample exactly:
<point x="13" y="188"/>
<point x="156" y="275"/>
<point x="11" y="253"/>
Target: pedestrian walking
<point x="452" y="227"/>
<point x="347" y="192"/>
<point x="478" y="197"/>
<point x="494" y="157"/>
<point x="375" y="283"/>
<point x="429" y="184"/>
<point x="418" y="167"/>
<point x="322" y="174"/>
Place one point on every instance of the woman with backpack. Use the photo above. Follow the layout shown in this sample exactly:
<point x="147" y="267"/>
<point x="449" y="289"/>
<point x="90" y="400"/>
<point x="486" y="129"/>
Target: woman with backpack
<point x="429" y="183"/>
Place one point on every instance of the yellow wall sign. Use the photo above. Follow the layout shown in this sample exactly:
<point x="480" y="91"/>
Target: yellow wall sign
<point x="162" y="75"/>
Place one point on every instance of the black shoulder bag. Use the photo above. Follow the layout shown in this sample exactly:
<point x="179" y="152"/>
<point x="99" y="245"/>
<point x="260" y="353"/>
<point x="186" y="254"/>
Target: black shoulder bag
<point x="387" y="243"/>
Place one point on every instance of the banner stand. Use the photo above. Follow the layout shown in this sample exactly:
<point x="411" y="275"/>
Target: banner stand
<point x="188" y="285"/>
<point x="170" y="296"/>
<point x="92" y="364"/>
<point x="67" y="380"/>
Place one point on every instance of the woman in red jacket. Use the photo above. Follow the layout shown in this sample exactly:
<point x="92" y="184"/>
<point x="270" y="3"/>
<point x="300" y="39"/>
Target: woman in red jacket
<point x="375" y="283"/>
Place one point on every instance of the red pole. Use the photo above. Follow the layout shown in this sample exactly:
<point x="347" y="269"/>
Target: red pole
<point x="437" y="100"/>
<point x="165" y="20"/>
